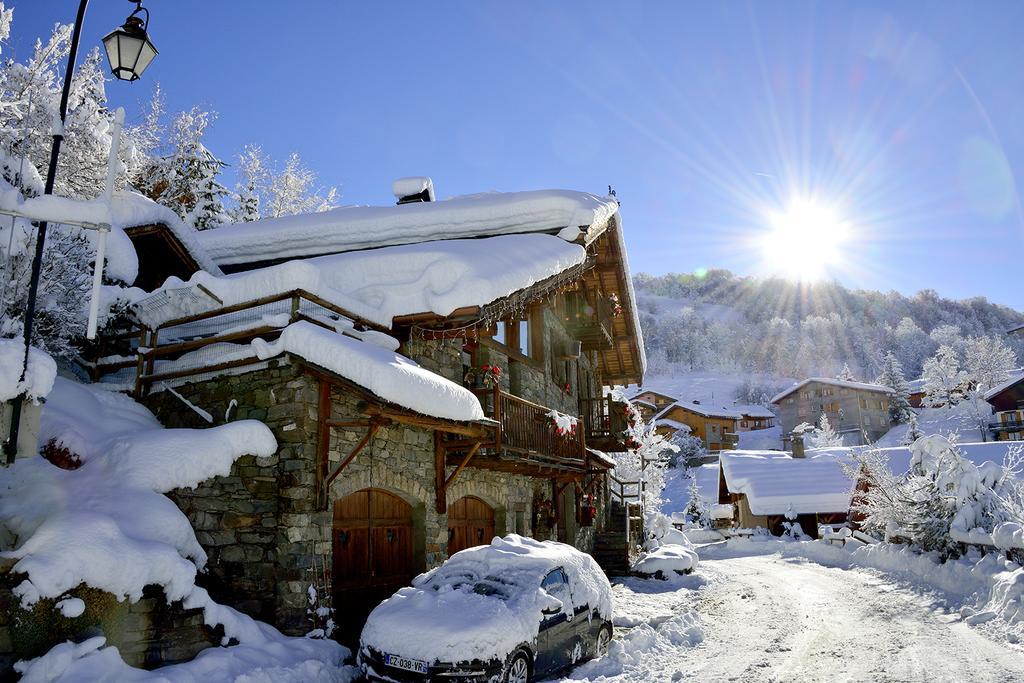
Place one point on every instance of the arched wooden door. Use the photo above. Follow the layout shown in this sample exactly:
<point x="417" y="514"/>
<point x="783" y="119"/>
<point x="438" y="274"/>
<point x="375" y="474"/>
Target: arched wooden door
<point x="372" y="548"/>
<point x="470" y="523"/>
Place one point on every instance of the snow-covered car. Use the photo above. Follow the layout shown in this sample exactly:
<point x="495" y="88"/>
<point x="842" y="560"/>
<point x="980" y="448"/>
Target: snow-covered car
<point x="506" y="612"/>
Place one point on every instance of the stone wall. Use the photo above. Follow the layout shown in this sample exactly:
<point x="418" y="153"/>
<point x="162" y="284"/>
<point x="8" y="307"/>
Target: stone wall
<point x="148" y="633"/>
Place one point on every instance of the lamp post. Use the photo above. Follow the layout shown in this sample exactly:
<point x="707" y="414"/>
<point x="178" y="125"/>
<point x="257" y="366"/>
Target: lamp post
<point x="129" y="51"/>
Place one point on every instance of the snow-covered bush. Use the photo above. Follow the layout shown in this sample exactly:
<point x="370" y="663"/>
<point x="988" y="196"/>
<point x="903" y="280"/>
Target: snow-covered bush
<point x="943" y="502"/>
<point x="697" y="511"/>
<point x="690" y="448"/>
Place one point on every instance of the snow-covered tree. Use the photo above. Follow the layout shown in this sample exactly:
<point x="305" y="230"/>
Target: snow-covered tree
<point x="986" y="360"/>
<point x="185" y="178"/>
<point x="846" y="374"/>
<point x="823" y="435"/>
<point x="690" y="447"/>
<point x="253" y="178"/>
<point x="293" y="190"/>
<point x="892" y="377"/>
<point x="697" y="510"/>
<point x="913" y="429"/>
<point x="943" y="378"/>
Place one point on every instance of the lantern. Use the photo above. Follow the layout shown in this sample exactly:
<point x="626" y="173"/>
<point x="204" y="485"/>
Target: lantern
<point x="129" y="49"/>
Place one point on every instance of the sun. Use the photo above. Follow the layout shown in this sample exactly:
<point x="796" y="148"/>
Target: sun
<point x="804" y="242"/>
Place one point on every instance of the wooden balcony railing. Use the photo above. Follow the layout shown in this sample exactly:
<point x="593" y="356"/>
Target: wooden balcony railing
<point x="602" y="418"/>
<point x="589" y="321"/>
<point x="526" y="429"/>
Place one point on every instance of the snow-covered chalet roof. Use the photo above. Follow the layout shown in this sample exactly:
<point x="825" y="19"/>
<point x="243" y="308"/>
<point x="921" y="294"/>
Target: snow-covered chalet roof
<point x="364" y="227"/>
<point x="1014" y="376"/>
<point x="377" y="285"/>
<point x="773" y="482"/>
<point x="646" y="404"/>
<point x="700" y="409"/>
<point x="669" y="422"/>
<point x="861" y="386"/>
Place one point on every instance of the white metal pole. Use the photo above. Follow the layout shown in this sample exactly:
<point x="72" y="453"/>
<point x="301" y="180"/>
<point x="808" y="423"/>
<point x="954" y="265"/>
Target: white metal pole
<point x="101" y="248"/>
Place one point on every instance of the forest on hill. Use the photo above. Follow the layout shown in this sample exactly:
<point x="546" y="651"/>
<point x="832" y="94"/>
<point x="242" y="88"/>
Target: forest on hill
<point x="717" y="320"/>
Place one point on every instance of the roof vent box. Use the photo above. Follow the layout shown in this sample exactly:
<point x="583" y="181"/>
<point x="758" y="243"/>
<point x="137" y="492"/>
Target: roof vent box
<point x="413" y="189"/>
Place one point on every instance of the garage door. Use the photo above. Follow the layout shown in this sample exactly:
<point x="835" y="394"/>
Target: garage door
<point x="372" y="544"/>
<point x="470" y="523"/>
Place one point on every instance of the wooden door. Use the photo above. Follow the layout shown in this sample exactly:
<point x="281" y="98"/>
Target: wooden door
<point x="470" y="523"/>
<point x="372" y="548"/>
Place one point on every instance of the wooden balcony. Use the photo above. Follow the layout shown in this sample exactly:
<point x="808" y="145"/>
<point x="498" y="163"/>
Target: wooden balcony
<point x="588" y="320"/>
<point x="603" y="423"/>
<point x="525" y="435"/>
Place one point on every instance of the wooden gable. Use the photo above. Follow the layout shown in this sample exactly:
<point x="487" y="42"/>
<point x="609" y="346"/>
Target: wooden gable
<point x="161" y="255"/>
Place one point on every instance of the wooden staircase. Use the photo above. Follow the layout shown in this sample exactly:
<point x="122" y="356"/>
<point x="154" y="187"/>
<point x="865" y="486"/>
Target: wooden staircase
<point x="611" y="546"/>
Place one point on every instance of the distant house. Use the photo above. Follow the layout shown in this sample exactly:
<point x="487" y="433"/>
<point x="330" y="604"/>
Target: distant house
<point x="765" y="487"/>
<point x="646" y="408"/>
<point x="1007" y="400"/>
<point x="858" y="411"/>
<point x="716" y="427"/>
<point x="754" y="417"/>
<point x="916" y="387"/>
<point x="649" y="398"/>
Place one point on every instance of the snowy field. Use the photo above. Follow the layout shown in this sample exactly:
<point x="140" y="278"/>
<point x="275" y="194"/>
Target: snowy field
<point x="767" y="611"/>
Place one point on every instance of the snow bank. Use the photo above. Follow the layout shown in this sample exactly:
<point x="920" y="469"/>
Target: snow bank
<point x="362" y="227"/>
<point x="635" y="656"/>
<point x="285" y="660"/>
<point x="38" y="380"/>
<point x="107" y="525"/>
<point x="442" y="618"/>
<point x="775" y="482"/>
<point x="666" y="559"/>
<point x="377" y="285"/>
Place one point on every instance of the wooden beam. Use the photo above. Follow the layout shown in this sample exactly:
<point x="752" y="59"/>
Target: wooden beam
<point x="323" y="436"/>
<point x="441" y="501"/>
<point x="461" y="465"/>
<point x="425" y="421"/>
<point x="370" y="433"/>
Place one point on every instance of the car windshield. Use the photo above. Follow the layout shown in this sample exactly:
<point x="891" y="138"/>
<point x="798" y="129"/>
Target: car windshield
<point x="491" y="586"/>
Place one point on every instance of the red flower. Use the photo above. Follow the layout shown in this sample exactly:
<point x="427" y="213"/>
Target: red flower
<point x="487" y="368"/>
<point x="496" y="370"/>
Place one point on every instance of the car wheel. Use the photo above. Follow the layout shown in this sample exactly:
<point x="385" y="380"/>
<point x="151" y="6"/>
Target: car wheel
<point x="518" y="670"/>
<point x="604" y="636"/>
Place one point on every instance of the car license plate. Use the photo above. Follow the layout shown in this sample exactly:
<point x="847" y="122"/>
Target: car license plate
<point x="406" y="663"/>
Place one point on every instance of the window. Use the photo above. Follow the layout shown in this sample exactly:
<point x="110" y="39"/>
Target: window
<point x="556" y="584"/>
<point x="524" y="343"/>
<point x="500" y="335"/>
<point x="832" y="407"/>
<point x="863" y="404"/>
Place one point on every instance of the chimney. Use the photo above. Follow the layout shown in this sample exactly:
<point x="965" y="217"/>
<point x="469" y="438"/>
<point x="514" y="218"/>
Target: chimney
<point x="413" y="189"/>
<point x="798" y="444"/>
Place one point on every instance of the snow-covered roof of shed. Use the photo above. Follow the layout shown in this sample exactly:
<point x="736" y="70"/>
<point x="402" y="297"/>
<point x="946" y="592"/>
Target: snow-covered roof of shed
<point x="700" y="409"/>
<point x="773" y="481"/>
<point x="753" y="410"/>
<point x="377" y="285"/>
<point x="646" y="404"/>
<point x="669" y="422"/>
<point x="126" y="210"/>
<point x="364" y="227"/>
<point x="862" y="386"/>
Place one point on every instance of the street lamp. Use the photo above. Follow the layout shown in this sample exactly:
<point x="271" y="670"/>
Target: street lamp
<point x="130" y="52"/>
<point x="129" y="49"/>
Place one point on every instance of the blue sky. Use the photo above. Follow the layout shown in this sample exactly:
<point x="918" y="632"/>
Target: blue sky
<point x="906" y="119"/>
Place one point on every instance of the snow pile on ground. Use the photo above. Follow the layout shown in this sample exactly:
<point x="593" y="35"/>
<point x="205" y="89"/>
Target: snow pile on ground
<point x="666" y="559"/>
<point x="491" y="592"/>
<point x="769" y="439"/>
<point x="362" y="227"/>
<point x="38" y="380"/>
<point x="983" y="588"/>
<point x="654" y="621"/>
<point x="377" y="285"/>
<point x="945" y="421"/>
<point x="107" y="524"/>
<point x="776" y="483"/>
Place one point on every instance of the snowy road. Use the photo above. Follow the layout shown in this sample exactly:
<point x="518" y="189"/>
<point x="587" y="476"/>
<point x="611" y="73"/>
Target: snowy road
<point x="767" y="618"/>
